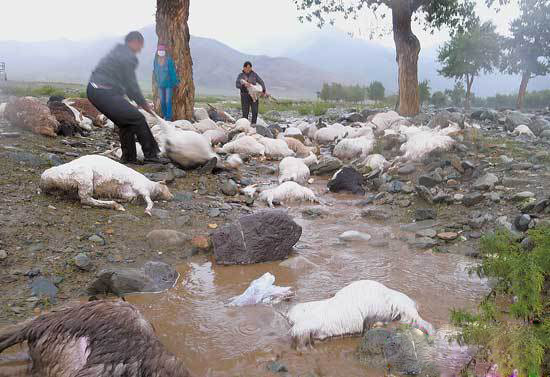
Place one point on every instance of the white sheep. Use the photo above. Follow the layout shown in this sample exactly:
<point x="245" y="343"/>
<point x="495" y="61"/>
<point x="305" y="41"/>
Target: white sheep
<point x="205" y="125"/>
<point x="376" y="162"/>
<point x="83" y="122"/>
<point x="423" y="140"/>
<point x="200" y="113"/>
<point x="523" y="130"/>
<point x="216" y="136"/>
<point x="234" y="161"/>
<point x="302" y="126"/>
<point x="387" y="120"/>
<point x="298" y="147"/>
<point x="329" y="134"/>
<point x="352" y="310"/>
<point x="275" y="148"/>
<point x="311" y="131"/>
<point x="310" y="160"/>
<point x="293" y="131"/>
<point x="245" y="145"/>
<point x="353" y="132"/>
<point x="189" y="149"/>
<point x="288" y="192"/>
<point x="183" y="124"/>
<point x="244" y="125"/>
<point x="150" y="119"/>
<point x="293" y="169"/>
<point x="99" y="176"/>
<point x="348" y="149"/>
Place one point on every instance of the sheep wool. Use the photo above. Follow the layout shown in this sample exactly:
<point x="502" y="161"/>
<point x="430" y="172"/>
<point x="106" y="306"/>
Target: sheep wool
<point x="376" y="162"/>
<point x="329" y="134"/>
<point x="246" y="146"/>
<point x="205" y="125"/>
<point x="288" y="192"/>
<point x="386" y="120"/>
<point x="189" y="149"/>
<point x="351" y="310"/>
<point x="523" y="130"/>
<point x="216" y="136"/>
<point x="255" y="91"/>
<point x="85" y="107"/>
<point x="293" y="169"/>
<point x="275" y="148"/>
<point x="29" y="113"/>
<point x="82" y="121"/>
<point x="234" y="161"/>
<point x="99" y="176"/>
<point x="422" y="141"/>
<point x="348" y="149"/>
<point x="183" y="124"/>
<point x="298" y="147"/>
<point x="311" y="131"/>
<point x="310" y="160"/>
<point x="200" y="113"/>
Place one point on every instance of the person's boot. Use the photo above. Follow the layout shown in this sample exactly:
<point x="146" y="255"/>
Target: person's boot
<point x="156" y="160"/>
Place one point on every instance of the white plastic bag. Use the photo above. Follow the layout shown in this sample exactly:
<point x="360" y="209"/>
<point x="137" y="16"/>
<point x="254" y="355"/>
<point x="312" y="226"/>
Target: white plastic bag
<point x="263" y="291"/>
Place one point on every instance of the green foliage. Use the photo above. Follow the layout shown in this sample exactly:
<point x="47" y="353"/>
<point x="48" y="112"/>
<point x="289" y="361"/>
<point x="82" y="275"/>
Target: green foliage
<point x="457" y="95"/>
<point x="41" y="91"/>
<point x="533" y="100"/>
<point x="439" y="99"/>
<point x="376" y="91"/>
<point x="340" y="92"/>
<point x="512" y="324"/>
<point x="424" y="91"/>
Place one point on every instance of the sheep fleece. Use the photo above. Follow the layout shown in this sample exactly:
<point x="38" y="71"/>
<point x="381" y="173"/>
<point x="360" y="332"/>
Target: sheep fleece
<point x="29" y="113"/>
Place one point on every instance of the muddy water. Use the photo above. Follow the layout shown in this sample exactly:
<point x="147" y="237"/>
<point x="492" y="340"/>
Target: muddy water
<point x="215" y="340"/>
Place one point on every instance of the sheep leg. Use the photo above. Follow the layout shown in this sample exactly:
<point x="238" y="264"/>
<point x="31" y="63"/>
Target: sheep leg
<point x="149" y="202"/>
<point x="85" y="192"/>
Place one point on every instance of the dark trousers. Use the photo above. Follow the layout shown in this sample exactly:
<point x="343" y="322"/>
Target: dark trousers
<point x="246" y="104"/>
<point x="130" y="122"/>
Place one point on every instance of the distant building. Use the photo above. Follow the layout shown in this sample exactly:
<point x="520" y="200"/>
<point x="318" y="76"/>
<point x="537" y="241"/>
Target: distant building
<point x="3" y="74"/>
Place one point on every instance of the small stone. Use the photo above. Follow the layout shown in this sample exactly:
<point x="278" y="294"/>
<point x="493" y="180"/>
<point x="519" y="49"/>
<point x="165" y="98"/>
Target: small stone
<point x="522" y="222"/>
<point x="506" y="160"/>
<point x="395" y="186"/>
<point x="492" y="196"/>
<point x="83" y="262"/>
<point x="376" y="214"/>
<point x="51" y="207"/>
<point x="164" y="239"/>
<point x="213" y="226"/>
<point x="421" y="214"/>
<point x="3" y="255"/>
<point x="311" y="181"/>
<point x="458" y="197"/>
<point x="160" y="213"/>
<point x="527" y="244"/>
<point x="353" y="235"/>
<point x="472" y="199"/>
<point x="229" y="188"/>
<point x="96" y="239"/>
<point x="43" y="288"/>
<point x="406" y="169"/>
<point x="485" y="182"/>
<point x="447" y="236"/>
<point x="214" y="212"/>
<point x="423" y="242"/>
<point x="183" y="220"/>
<point x="424" y="193"/>
<point x="431" y="233"/>
<point x="468" y="165"/>
<point x="475" y="235"/>
<point x="452" y="182"/>
<point x="183" y="197"/>
<point x="523" y="195"/>
<point x="430" y="180"/>
<point x="314" y="212"/>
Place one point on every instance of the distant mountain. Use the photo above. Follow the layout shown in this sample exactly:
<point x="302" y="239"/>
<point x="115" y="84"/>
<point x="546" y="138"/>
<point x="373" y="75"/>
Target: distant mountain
<point x="310" y="59"/>
<point x="215" y="65"/>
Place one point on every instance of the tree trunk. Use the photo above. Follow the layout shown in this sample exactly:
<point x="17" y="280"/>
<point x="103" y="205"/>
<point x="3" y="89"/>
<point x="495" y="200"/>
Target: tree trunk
<point x="469" y="83"/>
<point x="523" y="89"/>
<point x="172" y="30"/>
<point x="407" y="49"/>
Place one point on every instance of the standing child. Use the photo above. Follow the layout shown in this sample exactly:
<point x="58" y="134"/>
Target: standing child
<point x="166" y="78"/>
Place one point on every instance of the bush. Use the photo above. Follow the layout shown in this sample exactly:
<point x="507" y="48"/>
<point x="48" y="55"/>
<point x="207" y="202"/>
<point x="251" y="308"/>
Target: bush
<point x="512" y="324"/>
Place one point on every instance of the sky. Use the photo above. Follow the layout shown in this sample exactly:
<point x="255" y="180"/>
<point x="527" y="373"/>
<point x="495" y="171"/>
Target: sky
<point x="252" y="26"/>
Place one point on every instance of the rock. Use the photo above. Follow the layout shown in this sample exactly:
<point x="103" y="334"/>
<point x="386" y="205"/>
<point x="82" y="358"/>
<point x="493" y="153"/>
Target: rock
<point x="201" y="243"/>
<point x="424" y="193"/>
<point x="214" y="212"/>
<point x="83" y="262"/>
<point x="352" y="235"/>
<point x="447" y="236"/>
<point x="24" y="158"/>
<point x="379" y="214"/>
<point x="514" y="119"/>
<point x="522" y="222"/>
<point x="421" y="214"/>
<point x="276" y="367"/>
<point x="458" y="197"/>
<point x="538" y="125"/>
<point x="527" y="244"/>
<point x="152" y="277"/>
<point x="314" y="212"/>
<point x="3" y="255"/>
<point x="97" y="239"/>
<point x="263" y="131"/>
<point x="485" y="182"/>
<point x="43" y="288"/>
<point x="452" y="182"/>
<point x="261" y="237"/>
<point x="419" y="225"/>
<point x="406" y="169"/>
<point x="430" y="180"/>
<point x="395" y="186"/>
<point x="229" y="188"/>
<point x="423" y="243"/>
<point x="183" y="197"/>
<point x="492" y="196"/>
<point x="355" y="117"/>
<point x="405" y="350"/>
<point x="52" y="158"/>
<point x="183" y="220"/>
<point x="200" y="114"/>
<point x="472" y="199"/>
<point x="523" y="196"/>
<point x="431" y="233"/>
<point x="160" y="213"/>
<point x="326" y="166"/>
<point x="164" y="239"/>
<point x="545" y="134"/>
<point x="347" y="180"/>
<point x="160" y="176"/>
<point x="540" y="206"/>
<point x="506" y="160"/>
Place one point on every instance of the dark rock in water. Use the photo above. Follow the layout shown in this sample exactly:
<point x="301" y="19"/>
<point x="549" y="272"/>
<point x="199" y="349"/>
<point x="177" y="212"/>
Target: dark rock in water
<point x="276" y="367"/>
<point x="406" y="351"/>
<point x="263" y="131"/>
<point x="327" y="165"/>
<point x="347" y="180"/>
<point x="152" y="277"/>
<point x="376" y="214"/>
<point x="424" y="193"/>
<point x="421" y="214"/>
<point x="83" y="262"/>
<point x="522" y="222"/>
<point x="419" y="225"/>
<point x="43" y="288"/>
<point x="472" y="199"/>
<point x="261" y="237"/>
<point x="430" y="180"/>
<point x="229" y="188"/>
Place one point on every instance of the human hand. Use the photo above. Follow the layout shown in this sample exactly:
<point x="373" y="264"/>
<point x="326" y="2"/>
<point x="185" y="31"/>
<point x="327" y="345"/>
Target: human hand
<point x="147" y="108"/>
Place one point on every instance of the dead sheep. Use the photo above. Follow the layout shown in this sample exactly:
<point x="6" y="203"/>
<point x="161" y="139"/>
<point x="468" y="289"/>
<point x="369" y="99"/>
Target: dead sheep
<point x="30" y="114"/>
<point x="421" y="141"/>
<point x="353" y="310"/>
<point x="523" y="130"/>
<point x="245" y="146"/>
<point x="95" y="339"/>
<point x="288" y="192"/>
<point x="189" y="149"/>
<point x="68" y="125"/>
<point x="216" y="136"/>
<point x="200" y="113"/>
<point x="376" y="162"/>
<point x="349" y="149"/>
<point x="383" y="121"/>
<point x="99" y="176"/>
<point x="85" y="107"/>
<point x="275" y="148"/>
<point x="205" y="125"/>
<point x="298" y="147"/>
<point x="329" y="134"/>
<point x="293" y="169"/>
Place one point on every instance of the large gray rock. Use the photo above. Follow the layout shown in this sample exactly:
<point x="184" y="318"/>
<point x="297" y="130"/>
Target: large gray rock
<point x="486" y="182"/>
<point x="538" y="125"/>
<point x="327" y="165"/>
<point x="43" y="288"/>
<point x="261" y="237"/>
<point x="164" y="239"/>
<point x="514" y="119"/>
<point x="407" y="351"/>
<point x="152" y="277"/>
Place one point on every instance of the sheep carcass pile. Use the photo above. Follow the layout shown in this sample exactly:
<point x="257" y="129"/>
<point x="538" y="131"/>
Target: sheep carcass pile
<point x="245" y="145"/>
<point x="298" y="147"/>
<point x="288" y="192"/>
<point x="293" y="169"/>
<point x="383" y="121"/>
<point x="348" y="149"/>
<point x="423" y="140"/>
<point x="29" y="113"/>
<point x="255" y="91"/>
<point x="99" y="176"/>
<point x="68" y="126"/>
<point x="329" y="134"/>
<point x="82" y="121"/>
<point x="275" y="148"/>
<point x="376" y="162"/>
<point x="205" y="125"/>
<point x="216" y="136"/>
<point x="189" y="149"/>
<point x="85" y="107"/>
<point x="352" y="309"/>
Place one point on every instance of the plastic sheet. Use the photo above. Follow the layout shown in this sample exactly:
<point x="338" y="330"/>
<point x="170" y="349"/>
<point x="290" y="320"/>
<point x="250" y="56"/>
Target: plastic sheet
<point x="262" y="290"/>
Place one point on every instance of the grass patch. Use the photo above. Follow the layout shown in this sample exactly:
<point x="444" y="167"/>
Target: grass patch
<point x="41" y="91"/>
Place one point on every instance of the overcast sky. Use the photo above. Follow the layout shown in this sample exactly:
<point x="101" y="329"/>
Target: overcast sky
<point x="253" y="26"/>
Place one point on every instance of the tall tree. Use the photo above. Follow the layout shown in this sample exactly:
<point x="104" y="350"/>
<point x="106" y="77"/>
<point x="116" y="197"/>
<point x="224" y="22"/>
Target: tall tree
<point x="172" y="30"/>
<point x="424" y="91"/>
<point x="470" y="52"/>
<point x="457" y="95"/>
<point x="527" y="52"/>
<point x="435" y="13"/>
<point x="376" y="91"/>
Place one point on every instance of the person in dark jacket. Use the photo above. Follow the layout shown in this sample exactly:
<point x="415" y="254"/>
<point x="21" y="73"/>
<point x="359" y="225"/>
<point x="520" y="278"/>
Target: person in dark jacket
<point x="113" y="78"/>
<point x="245" y="79"/>
<point x="166" y="77"/>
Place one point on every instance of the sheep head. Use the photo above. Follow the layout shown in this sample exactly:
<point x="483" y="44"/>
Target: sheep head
<point x="162" y="191"/>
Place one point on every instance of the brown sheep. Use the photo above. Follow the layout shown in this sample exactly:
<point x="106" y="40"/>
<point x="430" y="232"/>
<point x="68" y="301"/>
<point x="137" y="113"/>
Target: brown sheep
<point x="88" y="110"/>
<point x="29" y="113"/>
<point x="95" y="339"/>
<point x="68" y="125"/>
